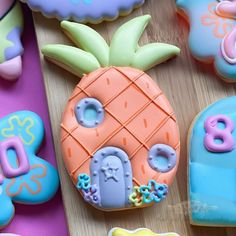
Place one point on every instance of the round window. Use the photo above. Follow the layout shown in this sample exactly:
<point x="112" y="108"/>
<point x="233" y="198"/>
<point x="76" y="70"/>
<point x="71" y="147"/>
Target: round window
<point x="162" y="158"/>
<point x="89" y="112"/>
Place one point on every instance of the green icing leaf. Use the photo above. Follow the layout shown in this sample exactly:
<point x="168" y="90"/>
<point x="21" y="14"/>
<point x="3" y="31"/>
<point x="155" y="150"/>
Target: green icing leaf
<point x="153" y="54"/>
<point x="71" y="58"/>
<point x="88" y="39"/>
<point x="124" y="49"/>
<point x="125" y="41"/>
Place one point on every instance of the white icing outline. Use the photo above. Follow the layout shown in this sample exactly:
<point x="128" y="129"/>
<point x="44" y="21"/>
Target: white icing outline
<point x="228" y="59"/>
<point x="218" y="12"/>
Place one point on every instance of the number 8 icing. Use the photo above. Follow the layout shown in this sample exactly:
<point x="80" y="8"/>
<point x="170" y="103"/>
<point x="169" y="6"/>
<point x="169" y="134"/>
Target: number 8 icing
<point x="119" y="165"/>
<point x="212" y="162"/>
<point x="11" y="25"/>
<point x="213" y="133"/>
<point x="216" y="20"/>
<point x="24" y="177"/>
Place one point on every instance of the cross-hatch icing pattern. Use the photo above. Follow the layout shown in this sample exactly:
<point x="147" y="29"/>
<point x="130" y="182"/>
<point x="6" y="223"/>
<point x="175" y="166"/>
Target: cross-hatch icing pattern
<point x="132" y="83"/>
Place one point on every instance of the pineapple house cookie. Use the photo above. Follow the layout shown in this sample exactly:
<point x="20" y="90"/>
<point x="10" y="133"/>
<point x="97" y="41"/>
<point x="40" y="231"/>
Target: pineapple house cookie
<point x="216" y="20"/>
<point x="92" y="11"/>
<point x="212" y="163"/>
<point x="119" y="136"/>
<point x="11" y="25"/>
<point x="138" y="232"/>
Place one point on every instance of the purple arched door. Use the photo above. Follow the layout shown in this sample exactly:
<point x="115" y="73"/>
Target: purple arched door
<point x="112" y="174"/>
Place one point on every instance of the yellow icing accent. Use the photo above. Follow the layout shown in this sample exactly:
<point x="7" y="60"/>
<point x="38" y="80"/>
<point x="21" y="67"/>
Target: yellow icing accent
<point x="136" y="197"/>
<point x="21" y="124"/>
<point x="141" y="232"/>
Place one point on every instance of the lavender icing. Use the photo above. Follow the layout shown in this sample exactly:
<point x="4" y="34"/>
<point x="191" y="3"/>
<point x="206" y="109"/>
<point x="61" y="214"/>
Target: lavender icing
<point x="83" y="10"/>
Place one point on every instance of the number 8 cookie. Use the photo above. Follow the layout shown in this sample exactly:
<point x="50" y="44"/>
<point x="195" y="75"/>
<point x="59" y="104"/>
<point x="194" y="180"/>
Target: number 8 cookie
<point x="119" y="136"/>
<point x="212" y="163"/>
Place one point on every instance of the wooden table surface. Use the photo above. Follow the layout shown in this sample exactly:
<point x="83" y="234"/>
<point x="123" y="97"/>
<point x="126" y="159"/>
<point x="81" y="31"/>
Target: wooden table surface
<point x="190" y="87"/>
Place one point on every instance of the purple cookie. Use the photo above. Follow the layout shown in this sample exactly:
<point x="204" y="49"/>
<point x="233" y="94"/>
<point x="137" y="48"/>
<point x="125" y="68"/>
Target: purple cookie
<point x="92" y="11"/>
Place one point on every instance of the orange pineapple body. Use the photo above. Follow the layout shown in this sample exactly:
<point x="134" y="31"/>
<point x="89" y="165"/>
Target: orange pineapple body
<point x="137" y="116"/>
<point x="119" y="136"/>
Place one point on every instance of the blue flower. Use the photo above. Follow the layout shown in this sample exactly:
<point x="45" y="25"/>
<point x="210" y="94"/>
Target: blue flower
<point x="153" y="192"/>
<point x="83" y="182"/>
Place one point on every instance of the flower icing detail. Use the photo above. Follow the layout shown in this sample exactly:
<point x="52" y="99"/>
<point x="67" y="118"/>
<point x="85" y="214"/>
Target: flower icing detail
<point x="146" y="194"/>
<point x="83" y="182"/>
<point x="92" y="195"/>
<point x="20" y="128"/>
<point x="153" y="192"/>
<point x="221" y="26"/>
<point x="90" y="192"/>
<point x="136" y="197"/>
<point x="17" y="185"/>
<point x="25" y="178"/>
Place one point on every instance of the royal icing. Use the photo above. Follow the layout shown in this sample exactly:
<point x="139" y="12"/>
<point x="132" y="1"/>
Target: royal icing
<point x="11" y="25"/>
<point x="24" y="177"/>
<point x="214" y="133"/>
<point x="214" y="20"/>
<point x="93" y="11"/>
<point x="212" y="165"/>
<point x="138" y="232"/>
<point x="127" y="156"/>
<point x="6" y="234"/>
<point x="227" y="9"/>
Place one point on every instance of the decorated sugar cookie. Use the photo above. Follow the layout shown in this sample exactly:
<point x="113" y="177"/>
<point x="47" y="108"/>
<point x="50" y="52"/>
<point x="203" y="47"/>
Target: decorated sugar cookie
<point x="11" y="25"/>
<point x="212" y="151"/>
<point x="216" y="20"/>
<point x="92" y="11"/>
<point x="119" y="136"/>
<point x="24" y="177"/>
<point x="138" y="232"/>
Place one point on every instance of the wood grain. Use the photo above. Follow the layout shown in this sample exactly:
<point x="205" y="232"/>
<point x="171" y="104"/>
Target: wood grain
<point x="190" y="87"/>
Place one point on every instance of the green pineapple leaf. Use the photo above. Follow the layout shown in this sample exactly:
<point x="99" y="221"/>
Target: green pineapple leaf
<point x="153" y="54"/>
<point x="123" y="51"/>
<point x="88" y="39"/>
<point x="125" y="41"/>
<point x="71" y="58"/>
